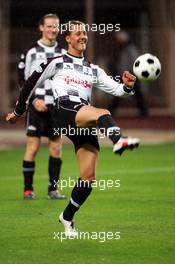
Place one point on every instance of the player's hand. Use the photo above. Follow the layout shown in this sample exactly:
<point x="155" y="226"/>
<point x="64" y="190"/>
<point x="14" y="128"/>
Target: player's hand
<point x="11" y="118"/>
<point x="40" y="105"/>
<point x="128" y="79"/>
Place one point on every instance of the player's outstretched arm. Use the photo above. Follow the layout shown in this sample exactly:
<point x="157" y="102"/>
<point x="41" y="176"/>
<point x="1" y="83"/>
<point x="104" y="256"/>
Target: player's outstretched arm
<point x="42" y="73"/>
<point x="107" y="84"/>
<point x="11" y="118"/>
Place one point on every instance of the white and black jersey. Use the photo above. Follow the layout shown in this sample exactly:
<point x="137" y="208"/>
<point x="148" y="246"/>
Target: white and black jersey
<point x="29" y="62"/>
<point x="70" y="76"/>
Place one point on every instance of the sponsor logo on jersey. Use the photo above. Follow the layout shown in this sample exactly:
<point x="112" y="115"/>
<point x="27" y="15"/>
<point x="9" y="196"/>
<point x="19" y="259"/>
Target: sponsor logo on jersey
<point x="77" y="80"/>
<point x="68" y="66"/>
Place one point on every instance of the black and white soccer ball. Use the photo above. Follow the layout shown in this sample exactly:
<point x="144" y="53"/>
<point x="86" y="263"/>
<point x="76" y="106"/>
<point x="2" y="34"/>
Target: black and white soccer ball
<point x="147" y="67"/>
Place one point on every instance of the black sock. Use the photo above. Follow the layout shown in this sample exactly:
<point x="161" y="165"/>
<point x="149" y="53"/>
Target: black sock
<point x="28" y="172"/>
<point x="110" y="128"/>
<point x="54" y="169"/>
<point x="80" y="193"/>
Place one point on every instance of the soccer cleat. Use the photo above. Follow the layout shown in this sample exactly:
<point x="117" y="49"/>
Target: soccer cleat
<point x="56" y="195"/>
<point x="68" y="226"/>
<point x="125" y="143"/>
<point x="29" y="195"/>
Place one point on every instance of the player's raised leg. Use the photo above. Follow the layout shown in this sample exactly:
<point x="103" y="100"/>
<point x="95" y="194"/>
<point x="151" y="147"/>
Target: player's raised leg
<point x="92" y="116"/>
<point x="101" y="118"/>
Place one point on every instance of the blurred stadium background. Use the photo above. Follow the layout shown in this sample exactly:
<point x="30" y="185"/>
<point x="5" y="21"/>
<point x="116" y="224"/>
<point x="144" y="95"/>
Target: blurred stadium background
<point x="151" y="24"/>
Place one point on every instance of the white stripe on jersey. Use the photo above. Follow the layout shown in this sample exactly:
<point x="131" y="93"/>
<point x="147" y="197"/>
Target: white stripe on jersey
<point x="40" y="91"/>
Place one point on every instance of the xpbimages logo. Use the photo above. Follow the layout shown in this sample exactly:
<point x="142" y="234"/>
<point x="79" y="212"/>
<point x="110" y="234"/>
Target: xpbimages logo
<point x="83" y="235"/>
<point x="86" y="131"/>
<point x="100" y="184"/>
<point x="101" y="28"/>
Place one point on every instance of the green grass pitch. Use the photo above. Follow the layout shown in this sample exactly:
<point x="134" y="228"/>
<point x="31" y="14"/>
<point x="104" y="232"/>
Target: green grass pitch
<point x="142" y="209"/>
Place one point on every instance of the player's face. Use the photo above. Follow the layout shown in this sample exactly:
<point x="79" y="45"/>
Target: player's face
<point x="78" y="38"/>
<point x="50" y="29"/>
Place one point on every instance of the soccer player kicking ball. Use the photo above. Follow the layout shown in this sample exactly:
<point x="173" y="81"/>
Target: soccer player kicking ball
<point x="72" y="79"/>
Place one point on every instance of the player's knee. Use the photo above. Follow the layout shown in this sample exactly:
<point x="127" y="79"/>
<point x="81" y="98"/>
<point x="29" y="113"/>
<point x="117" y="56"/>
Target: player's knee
<point x="104" y="112"/>
<point x="55" y="150"/>
<point x="90" y="176"/>
<point x="31" y="151"/>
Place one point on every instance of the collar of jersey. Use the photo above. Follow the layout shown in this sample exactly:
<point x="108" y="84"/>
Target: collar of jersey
<point x="72" y="56"/>
<point x="43" y="45"/>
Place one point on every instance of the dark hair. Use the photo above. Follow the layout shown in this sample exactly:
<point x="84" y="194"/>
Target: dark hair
<point x="42" y="20"/>
<point x="70" y="24"/>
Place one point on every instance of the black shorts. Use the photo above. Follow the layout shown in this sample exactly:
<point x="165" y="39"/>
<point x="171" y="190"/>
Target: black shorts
<point x="64" y="118"/>
<point x="40" y="124"/>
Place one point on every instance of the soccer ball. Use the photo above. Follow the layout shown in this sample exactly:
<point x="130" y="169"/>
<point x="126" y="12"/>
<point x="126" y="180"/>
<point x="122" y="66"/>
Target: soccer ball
<point x="147" y="67"/>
